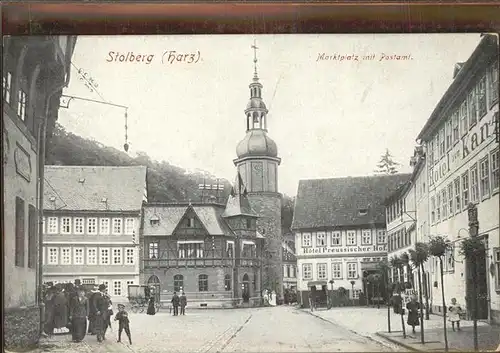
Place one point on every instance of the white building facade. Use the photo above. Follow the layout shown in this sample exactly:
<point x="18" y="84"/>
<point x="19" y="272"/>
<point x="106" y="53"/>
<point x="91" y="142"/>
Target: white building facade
<point x="462" y="162"/>
<point x="94" y="239"/>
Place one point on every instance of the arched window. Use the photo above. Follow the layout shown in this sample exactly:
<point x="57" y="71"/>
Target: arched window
<point x="178" y="283"/>
<point x="227" y="282"/>
<point x="203" y="283"/>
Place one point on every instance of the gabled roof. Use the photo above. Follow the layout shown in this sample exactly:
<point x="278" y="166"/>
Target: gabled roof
<point x="169" y="217"/>
<point x="337" y="202"/>
<point x="237" y="202"/>
<point x="94" y="188"/>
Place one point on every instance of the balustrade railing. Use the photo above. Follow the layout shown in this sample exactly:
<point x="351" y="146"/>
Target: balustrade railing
<point x="201" y="262"/>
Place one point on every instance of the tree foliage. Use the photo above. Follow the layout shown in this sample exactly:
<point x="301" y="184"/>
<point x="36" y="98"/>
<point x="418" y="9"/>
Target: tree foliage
<point x="420" y="254"/>
<point x="438" y="246"/>
<point x="472" y="248"/>
<point x="387" y="165"/>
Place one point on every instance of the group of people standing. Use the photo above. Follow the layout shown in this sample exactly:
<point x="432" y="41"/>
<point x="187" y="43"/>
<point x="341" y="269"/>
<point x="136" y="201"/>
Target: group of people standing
<point x="70" y="306"/>
<point x="179" y="301"/>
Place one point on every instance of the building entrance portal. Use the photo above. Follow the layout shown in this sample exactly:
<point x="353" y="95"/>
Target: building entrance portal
<point x="480" y="281"/>
<point x="245" y="288"/>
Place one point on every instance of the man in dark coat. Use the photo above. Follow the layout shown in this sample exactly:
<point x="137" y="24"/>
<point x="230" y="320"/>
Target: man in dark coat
<point x="183" y="303"/>
<point x="92" y="310"/>
<point x="175" y="303"/>
<point x="101" y="303"/>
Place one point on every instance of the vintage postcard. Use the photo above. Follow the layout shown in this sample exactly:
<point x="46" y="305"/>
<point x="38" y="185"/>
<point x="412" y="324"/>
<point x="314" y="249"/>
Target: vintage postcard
<point x="251" y="193"/>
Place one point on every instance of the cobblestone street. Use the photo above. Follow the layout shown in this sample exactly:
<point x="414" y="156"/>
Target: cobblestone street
<point x="278" y="329"/>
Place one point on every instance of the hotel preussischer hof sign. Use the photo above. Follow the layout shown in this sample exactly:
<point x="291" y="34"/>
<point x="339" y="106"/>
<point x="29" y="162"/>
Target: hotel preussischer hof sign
<point x="345" y="249"/>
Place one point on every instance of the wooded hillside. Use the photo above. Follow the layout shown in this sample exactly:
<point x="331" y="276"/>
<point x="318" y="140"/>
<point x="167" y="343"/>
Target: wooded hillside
<point x="166" y="182"/>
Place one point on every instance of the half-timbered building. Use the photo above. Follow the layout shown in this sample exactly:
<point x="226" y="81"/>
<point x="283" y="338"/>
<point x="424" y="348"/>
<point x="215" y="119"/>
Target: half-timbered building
<point x="209" y="250"/>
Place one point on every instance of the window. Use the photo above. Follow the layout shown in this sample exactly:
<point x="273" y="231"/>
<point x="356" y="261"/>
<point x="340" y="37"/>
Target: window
<point x="117" y="226"/>
<point x="203" y="283"/>
<point x="293" y="271"/>
<point x="450" y="199"/>
<point x="449" y="130"/>
<point x="336" y="238"/>
<point x="356" y="293"/>
<point x="190" y="222"/>
<point x="321" y="239"/>
<point x="381" y="237"/>
<point x="227" y="282"/>
<point x="19" y="232"/>
<point x="106" y="283"/>
<point x="442" y="143"/>
<point x="117" y="256"/>
<point x="495" y="175"/>
<point x="456" y="185"/>
<point x="351" y="238"/>
<point x="129" y="256"/>
<point x="153" y="250"/>
<point x="66" y="225"/>
<point x="306" y="271"/>
<point x="352" y="270"/>
<point x="129" y="226"/>
<point x="481" y="97"/>
<point x="53" y="256"/>
<point x="32" y="239"/>
<point x="249" y="223"/>
<point x="52" y="225"/>
<point x="465" y="189"/>
<point x="88" y="280"/>
<point x="433" y="209"/>
<point x="496" y="254"/>
<point x="438" y="206"/>
<point x="493" y="83"/>
<point x="92" y="225"/>
<point x="449" y="261"/>
<point x="366" y="238"/>
<point x="455" y="127"/>
<point x="91" y="256"/>
<point x="78" y="225"/>
<point x="322" y="271"/>
<point x="117" y="288"/>
<point x="21" y="104"/>
<point x="190" y="250"/>
<point x="66" y="256"/>
<point x="472" y="103"/>
<point x="178" y="283"/>
<point x="230" y="249"/>
<point x="337" y="270"/>
<point x="431" y="153"/>
<point x="444" y="209"/>
<point x="484" y="166"/>
<point x="464" y="122"/>
<point x="474" y="184"/>
<point x="306" y="239"/>
<point x="130" y="283"/>
<point x="104" y="256"/>
<point x="78" y="256"/>
<point x="104" y="226"/>
<point x="7" y="86"/>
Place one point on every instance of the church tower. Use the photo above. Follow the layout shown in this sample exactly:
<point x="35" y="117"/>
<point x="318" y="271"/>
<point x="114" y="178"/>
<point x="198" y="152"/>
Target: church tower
<point x="257" y="164"/>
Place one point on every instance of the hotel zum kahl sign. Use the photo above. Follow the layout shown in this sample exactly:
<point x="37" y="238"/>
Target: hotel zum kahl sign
<point x="346" y="249"/>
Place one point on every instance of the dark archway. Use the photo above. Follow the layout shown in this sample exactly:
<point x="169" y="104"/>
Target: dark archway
<point x="245" y="288"/>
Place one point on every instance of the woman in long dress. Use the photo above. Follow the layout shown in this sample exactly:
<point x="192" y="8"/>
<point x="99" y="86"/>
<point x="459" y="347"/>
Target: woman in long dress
<point x="49" y="311"/>
<point x="413" y="307"/>
<point x="151" y="306"/>
<point x="79" y="313"/>
<point x="60" y="310"/>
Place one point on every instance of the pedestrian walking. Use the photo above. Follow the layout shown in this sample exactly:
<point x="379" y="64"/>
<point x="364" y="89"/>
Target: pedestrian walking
<point x="311" y="300"/>
<point x="123" y="323"/>
<point x="101" y="304"/>
<point x="183" y="303"/>
<point x="49" y="311"/>
<point x="175" y="303"/>
<point x="151" y="306"/>
<point x="454" y="312"/>
<point x="92" y="310"/>
<point x="413" y="308"/>
<point x="60" y="310"/>
<point x="78" y="315"/>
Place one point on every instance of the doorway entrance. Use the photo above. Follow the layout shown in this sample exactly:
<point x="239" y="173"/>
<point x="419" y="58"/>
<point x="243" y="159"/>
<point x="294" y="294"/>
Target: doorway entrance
<point x="154" y="284"/>
<point x="245" y="288"/>
<point x="480" y="281"/>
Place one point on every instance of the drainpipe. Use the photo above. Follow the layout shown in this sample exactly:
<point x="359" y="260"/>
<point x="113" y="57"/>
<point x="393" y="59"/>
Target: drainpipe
<point x="42" y="131"/>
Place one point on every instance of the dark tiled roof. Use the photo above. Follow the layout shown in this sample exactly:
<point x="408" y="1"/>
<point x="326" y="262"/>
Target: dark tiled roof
<point x="237" y="202"/>
<point x="83" y="188"/>
<point x="338" y="201"/>
<point x="169" y="216"/>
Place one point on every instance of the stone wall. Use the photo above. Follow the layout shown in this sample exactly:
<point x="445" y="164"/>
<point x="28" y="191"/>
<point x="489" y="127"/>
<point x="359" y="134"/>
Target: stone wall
<point x="21" y="328"/>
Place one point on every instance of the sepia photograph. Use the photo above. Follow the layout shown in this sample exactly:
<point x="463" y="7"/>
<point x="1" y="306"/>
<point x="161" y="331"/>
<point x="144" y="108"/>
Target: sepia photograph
<point x="251" y="193"/>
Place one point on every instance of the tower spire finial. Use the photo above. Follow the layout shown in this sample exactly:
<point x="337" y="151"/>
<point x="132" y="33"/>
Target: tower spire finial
<point x="254" y="47"/>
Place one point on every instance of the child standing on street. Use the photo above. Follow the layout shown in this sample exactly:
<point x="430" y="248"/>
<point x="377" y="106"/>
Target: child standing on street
<point x="454" y="312"/>
<point x="123" y="323"/>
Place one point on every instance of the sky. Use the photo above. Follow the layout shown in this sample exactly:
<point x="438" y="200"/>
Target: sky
<point x="329" y="118"/>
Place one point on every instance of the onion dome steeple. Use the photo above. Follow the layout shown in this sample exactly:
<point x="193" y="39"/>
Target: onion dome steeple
<point x="256" y="142"/>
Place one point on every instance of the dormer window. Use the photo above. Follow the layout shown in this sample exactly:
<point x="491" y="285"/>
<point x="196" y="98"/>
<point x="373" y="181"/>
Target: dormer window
<point x="155" y="220"/>
<point x="249" y="223"/>
<point x="190" y="222"/>
<point x="363" y="211"/>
